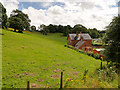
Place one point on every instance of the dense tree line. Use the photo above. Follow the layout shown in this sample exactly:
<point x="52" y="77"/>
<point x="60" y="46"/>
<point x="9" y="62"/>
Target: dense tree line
<point x="94" y="33"/>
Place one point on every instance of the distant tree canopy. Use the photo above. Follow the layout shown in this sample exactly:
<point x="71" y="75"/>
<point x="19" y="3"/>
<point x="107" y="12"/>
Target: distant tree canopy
<point x="66" y="30"/>
<point x="112" y="51"/>
<point x="55" y="28"/>
<point x="52" y="28"/>
<point x="102" y="33"/>
<point x="44" y="29"/>
<point x="79" y="28"/>
<point x="19" y="20"/>
<point x="94" y="33"/>
<point x="33" y="28"/>
<point x="3" y="16"/>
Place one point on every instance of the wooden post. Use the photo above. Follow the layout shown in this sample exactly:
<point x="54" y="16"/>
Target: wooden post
<point x="28" y="85"/>
<point x="61" y="81"/>
<point x="101" y="65"/>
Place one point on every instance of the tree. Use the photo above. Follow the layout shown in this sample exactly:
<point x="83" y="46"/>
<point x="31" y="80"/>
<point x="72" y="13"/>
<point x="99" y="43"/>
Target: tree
<point x="60" y="29"/>
<point x="105" y="40"/>
<point x="44" y="29"/>
<point x="3" y="16"/>
<point x="112" y="51"/>
<point x="24" y="22"/>
<point x="51" y="28"/>
<point x="66" y="30"/>
<point x="56" y="28"/>
<point x="16" y="23"/>
<point x="33" y="28"/>
<point x="79" y="28"/>
<point x="101" y="33"/>
<point x="93" y="33"/>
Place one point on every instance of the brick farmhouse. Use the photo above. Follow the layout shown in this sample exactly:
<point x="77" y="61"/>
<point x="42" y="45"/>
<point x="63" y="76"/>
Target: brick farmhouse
<point x="80" y="41"/>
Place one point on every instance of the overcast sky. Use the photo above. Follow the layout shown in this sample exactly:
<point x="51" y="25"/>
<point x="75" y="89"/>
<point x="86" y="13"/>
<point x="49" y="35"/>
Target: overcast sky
<point x="89" y="13"/>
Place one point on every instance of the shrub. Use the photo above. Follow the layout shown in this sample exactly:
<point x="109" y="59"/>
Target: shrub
<point x="96" y="56"/>
<point x="89" y="53"/>
<point x="106" y="74"/>
<point x="70" y="46"/>
<point x="86" y="53"/>
<point x="65" y="45"/>
<point x="77" y="50"/>
<point x="81" y="51"/>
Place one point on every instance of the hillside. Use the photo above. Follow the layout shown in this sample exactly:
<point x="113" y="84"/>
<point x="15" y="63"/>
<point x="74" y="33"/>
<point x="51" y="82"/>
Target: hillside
<point x="40" y="59"/>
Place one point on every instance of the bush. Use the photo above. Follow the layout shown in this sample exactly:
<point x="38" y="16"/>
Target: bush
<point x="96" y="56"/>
<point x="89" y="53"/>
<point x="106" y="74"/>
<point x="86" y="53"/>
<point x="77" y="50"/>
<point x="81" y="51"/>
<point x="69" y="46"/>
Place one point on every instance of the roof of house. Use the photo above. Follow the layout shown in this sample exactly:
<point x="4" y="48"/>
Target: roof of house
<point x="85" y="36"/>
<point x="80" y="43"/>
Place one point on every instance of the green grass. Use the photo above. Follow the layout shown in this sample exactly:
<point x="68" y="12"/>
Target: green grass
<point x="40" y="59"/>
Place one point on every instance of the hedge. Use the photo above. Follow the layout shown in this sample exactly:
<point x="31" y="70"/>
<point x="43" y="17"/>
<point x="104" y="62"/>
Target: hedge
<point x="96" y="56"/>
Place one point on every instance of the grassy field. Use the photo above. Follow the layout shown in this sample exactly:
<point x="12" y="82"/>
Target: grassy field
<point x="40" y="59"/>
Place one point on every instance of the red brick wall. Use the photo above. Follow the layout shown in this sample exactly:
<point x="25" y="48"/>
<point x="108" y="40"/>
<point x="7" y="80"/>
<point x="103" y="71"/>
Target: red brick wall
<point x="89" y="41"/>
<point x="86" y="44"/>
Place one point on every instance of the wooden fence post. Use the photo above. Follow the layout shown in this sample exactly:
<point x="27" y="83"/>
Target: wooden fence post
<point x="101" y="64"/>
<point x="28" y="85"/>
<point x="61" y="81"/>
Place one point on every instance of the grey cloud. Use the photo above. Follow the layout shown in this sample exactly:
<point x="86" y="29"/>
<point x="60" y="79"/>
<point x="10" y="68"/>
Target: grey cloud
<point x="87" y="5"/>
